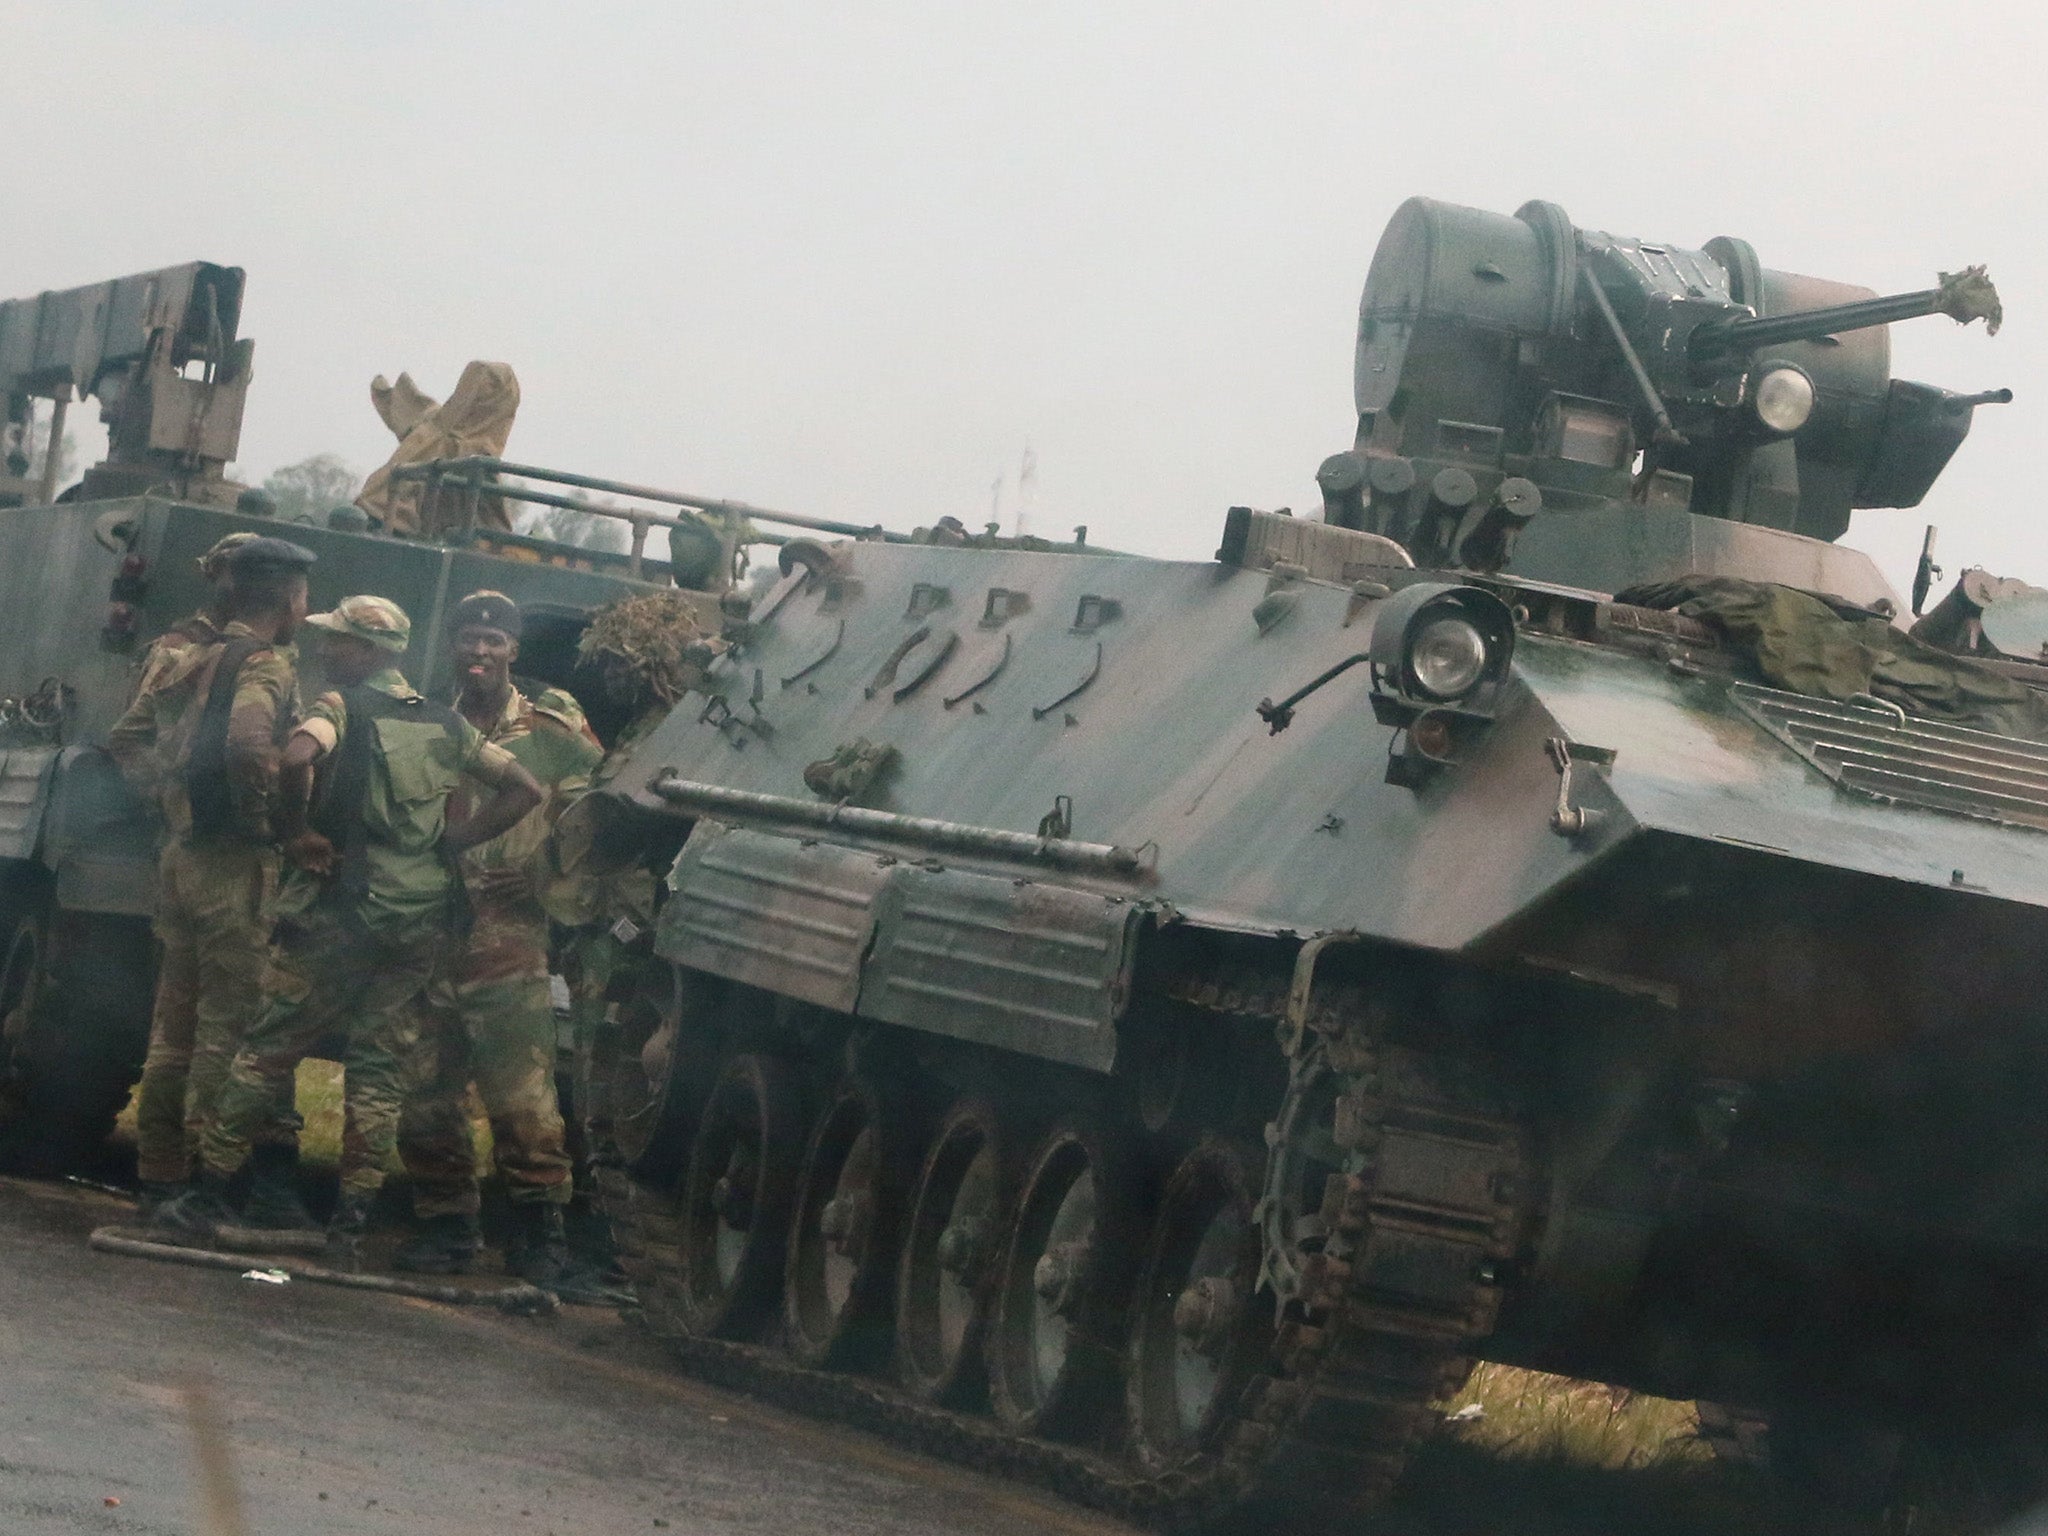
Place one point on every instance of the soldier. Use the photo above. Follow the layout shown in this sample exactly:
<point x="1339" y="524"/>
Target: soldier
<point x="368" y="900"/>
<point x="202" y="739"/>
<point x="203" y="625"/>
<point x="491" y="1019"/>
<point x="647" y="650"/>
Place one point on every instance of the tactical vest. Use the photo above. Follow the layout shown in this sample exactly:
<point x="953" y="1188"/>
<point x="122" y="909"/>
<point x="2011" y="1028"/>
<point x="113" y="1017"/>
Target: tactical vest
<point x="207" y="786"/>
<point x="340" y="807"/>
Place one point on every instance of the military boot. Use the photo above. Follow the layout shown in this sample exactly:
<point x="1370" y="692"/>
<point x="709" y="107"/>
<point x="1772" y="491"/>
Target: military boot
<point x="273" y="1202"/>
<point x="538" y="1249"/>
<point x="444" y="1245"/>
<point x="198" y="1212"/>
<point x="348" y="1227"/>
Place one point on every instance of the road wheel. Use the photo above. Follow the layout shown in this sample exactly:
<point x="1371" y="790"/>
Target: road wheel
<point x="641" y="1075"/>
<point x="1063" y="1290"/>
<point x="945" y="1283"/>
<point x="76" y="991"/>
<point x="1200" y="1326"/>
<point x="736" y="1194"/>
<point x="844" y="1240"/>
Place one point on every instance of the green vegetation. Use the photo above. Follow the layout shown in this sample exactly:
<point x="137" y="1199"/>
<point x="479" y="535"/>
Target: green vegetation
<point x="307" y="491"/>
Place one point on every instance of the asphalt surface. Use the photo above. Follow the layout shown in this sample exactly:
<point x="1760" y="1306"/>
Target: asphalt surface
<point x="365" y="1414"/>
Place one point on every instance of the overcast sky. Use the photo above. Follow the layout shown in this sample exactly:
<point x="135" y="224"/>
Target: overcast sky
<point x="852" y="259"/>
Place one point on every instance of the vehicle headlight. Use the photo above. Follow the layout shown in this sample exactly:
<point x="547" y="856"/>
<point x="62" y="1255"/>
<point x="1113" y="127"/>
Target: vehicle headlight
<point x="1447" y="657"/>
<point x="1436" y="644"/>
<point x="1783" y="398"/>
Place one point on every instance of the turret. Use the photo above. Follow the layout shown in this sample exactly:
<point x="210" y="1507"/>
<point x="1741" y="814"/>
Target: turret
<point x="1513" y="371"/>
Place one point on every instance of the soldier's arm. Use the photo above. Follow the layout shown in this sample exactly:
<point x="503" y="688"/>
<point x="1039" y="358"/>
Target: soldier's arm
<point x="514" y="792"/>
<point x="263" y="699"/>
<point x="572" y="758"/>
<point x="132" y="744"/>
<point x="317" y="735"/>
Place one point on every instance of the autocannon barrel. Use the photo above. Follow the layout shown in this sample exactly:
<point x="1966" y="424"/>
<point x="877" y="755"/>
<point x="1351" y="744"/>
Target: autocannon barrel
<point x="1962" y="296"/>
<point x="1747" y="333"/>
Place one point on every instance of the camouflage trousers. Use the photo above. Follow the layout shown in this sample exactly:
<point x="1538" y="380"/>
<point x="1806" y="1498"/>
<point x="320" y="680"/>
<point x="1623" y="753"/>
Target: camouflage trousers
<point x="326" y="976"/>
<point x="488" y="1020"/>
<point x="214" y="923"/>
<point x="600" y="969"/>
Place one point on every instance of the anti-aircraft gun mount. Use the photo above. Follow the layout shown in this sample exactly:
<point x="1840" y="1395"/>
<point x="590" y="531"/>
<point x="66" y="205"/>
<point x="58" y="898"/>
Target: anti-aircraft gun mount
<point x="1530" y="393"/>
<point x="160" y="352"/>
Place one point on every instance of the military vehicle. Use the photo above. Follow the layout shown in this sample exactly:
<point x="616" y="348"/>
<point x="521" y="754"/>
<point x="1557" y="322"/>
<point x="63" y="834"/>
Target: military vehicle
<point x="1148" y="1026"/>
<point x="90" y="576"/>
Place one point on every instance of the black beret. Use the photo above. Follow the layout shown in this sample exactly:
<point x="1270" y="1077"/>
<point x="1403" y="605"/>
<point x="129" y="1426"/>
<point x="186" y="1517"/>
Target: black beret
<point x="268" y="555"/>
<point x="488" y="610"/>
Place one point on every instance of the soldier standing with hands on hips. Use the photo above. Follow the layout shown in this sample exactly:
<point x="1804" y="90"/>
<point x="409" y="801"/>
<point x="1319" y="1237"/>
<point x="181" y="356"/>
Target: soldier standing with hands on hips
<point x="368" y="902"/>
<point x="490" y="1016"/>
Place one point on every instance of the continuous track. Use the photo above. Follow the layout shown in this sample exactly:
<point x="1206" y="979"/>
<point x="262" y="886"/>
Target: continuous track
<point x="1405" y="1280"/>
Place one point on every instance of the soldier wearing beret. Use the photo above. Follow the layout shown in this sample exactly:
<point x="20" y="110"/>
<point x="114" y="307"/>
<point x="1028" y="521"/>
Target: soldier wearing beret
<point x="369" y="898"/>
<point x="489" y="1017"/>
<point x="203" y="625"/>
<point x="202" y="739"/>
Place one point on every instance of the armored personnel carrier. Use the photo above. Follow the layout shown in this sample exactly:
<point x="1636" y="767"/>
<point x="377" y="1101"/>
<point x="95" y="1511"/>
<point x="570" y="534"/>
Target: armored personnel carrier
<point x="90" y="574"/>
<point x="1149" y="1026"/>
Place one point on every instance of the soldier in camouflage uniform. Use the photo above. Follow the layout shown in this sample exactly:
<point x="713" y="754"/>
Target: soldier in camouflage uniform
<point x="490" y="1017"/>
<point x="202" y="627"/>
<point x="368" y="900"/>
<point x="647" y="650"/>
<point x="201" y="739"/>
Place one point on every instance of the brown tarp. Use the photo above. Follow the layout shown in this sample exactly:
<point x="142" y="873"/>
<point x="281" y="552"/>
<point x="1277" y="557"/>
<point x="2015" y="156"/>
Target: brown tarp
<point x="476" y="419"/>
<point x="1795" y="641"/>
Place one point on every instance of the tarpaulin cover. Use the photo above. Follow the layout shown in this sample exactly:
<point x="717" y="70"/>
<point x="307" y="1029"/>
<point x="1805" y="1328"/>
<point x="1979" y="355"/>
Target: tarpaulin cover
<point x="1796" y="641"/>
<point x="476" y="419"/>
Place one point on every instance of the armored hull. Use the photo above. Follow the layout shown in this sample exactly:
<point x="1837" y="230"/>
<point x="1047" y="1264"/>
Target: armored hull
<point x="1152" y="1025"/>
<point x="1670" y="1072"/>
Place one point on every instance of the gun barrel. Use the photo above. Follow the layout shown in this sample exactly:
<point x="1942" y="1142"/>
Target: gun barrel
<point x="1749" y="332"/>
<point x="1982" y="397"/>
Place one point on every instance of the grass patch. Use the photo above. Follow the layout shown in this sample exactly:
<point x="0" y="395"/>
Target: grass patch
<point x="320" y="1107"/>
<point x="319" y="1099"/>
<point x="1547" y="1456"/>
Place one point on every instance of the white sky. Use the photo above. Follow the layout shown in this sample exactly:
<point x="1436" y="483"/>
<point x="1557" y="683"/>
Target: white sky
<point x="850" y="258"/>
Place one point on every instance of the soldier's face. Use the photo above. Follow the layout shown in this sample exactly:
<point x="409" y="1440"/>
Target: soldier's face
<point x="347" y="659"/>
<point x="483" y="659"/>
<point x="621" y="682"/>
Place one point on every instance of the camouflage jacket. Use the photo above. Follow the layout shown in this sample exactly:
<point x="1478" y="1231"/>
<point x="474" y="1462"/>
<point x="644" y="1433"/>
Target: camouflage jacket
<point x="165" y="649"/>
<point x="548" y="736"/>
<point x="152" y="742"/>
<point x="589" y="883"/>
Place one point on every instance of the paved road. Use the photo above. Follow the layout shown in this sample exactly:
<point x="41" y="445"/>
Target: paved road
<point x="367" y="1414"/>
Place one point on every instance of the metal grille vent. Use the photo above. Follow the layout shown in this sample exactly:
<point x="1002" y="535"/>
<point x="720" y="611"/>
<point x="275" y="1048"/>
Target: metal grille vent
<point x="1875" y="750"/>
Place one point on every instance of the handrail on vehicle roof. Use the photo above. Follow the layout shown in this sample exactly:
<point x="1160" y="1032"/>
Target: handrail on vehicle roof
<point x="478" y="475"/>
